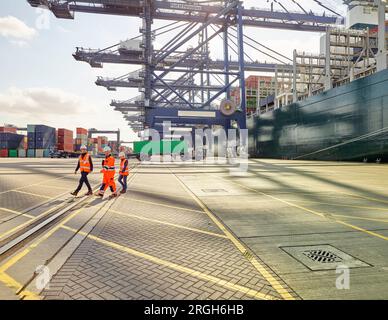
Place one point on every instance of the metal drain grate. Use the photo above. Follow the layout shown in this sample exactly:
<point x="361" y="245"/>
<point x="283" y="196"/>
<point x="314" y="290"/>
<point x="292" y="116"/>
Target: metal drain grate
<point x="213" y="190"/>
<point x="323" y="257"/>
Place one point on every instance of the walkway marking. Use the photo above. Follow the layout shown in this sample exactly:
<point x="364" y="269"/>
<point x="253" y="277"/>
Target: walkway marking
<point x="275" y="284"/>
<point x="160" y="204"/>
<point x="56" y="187"/>
<point x="32" y="194"/>
<point x="156" y="192"/>
<point x="359" y="218"/>
<point x="35" y="184"/>
<point x="17" y="213"/>
<point x="340" y="205"/>
<point x="29" y="221"/>
<point x="317" y="213"/>
<point x="169" y="224"/>
<point x="347" y="193"/>
<point x="197" y="274"/>
<point x="365" y="197"/>
<point x="12" y="283"/>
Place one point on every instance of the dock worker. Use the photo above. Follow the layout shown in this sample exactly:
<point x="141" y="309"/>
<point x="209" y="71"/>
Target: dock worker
<point x="124" y="171"/>
<point x="108" y="170"/>
<point x="85" y="165"/>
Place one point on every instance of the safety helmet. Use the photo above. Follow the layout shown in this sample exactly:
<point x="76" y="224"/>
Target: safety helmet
<point x="107" y="149"/>
<point x="121" y="154"/>
<point x="83" y="147"/>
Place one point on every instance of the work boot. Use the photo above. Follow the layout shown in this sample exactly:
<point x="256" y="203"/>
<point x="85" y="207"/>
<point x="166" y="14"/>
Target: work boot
<point x="123" y="191"/>
<point x="90" y="192"/>
<point x="74" y="193"/>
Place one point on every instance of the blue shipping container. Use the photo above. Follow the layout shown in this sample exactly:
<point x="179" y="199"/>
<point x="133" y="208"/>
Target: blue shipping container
<point x="10" y="140"/>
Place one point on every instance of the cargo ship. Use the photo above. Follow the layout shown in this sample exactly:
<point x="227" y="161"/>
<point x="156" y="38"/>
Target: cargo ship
<point x="346" y="123"/>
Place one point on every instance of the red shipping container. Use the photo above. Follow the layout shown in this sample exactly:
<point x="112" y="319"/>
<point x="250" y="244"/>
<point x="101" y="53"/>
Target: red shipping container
<point x="3" y="153"/>
<point x="82" y="131"/>
<point x="65" y="133"/>
<point x="8" y="129"/>
<point x="65" y="140"/>
<point x="65" y="147"/>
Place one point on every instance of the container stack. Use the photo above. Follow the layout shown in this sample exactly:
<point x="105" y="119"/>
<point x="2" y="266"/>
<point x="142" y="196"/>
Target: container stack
<point x="8" y="129"/>
<point x="81" y="138"/>
<point x="102" y="143"/>
<point x="65" y="140"/>
<point x="113" y="145"/>
<point x="93" y="146"/>
<point x="10" y="143"/>
<point x="22" y="150"/>
<point x="41" y="139"/>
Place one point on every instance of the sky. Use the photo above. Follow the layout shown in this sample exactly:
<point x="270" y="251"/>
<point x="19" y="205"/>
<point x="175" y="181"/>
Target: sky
<point x="41" y="83"/>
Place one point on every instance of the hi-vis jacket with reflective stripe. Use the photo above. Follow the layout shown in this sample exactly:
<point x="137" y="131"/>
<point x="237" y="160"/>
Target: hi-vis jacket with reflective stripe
<point x="108" y="165"/>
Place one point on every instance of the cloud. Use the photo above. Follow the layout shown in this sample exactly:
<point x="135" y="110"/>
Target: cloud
<point x="41" y="103"/>
<point x="13" y="28"/>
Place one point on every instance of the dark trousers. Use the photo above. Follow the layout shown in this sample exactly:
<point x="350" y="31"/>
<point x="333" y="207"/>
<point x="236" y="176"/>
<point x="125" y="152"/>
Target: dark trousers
<point x="82" y="180"/>
<point x="123" y="181"/>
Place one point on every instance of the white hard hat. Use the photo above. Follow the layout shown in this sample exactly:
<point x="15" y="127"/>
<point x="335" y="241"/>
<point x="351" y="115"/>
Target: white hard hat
<point x="107" y="149"/>
<point x="83" y="147"/>
<point x="121" y="154"/>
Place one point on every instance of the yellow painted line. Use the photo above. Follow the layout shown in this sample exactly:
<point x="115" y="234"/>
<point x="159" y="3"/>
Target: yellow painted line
<point x="17" y="213"/>
<point x="160" y="204"/>
<point x="9" y="281"/>
<point x="365" y="197"/>
<point x="29" y="221"/>
<point x="275" y="284"/>
<point x="156" y="192"/>
<point x="13" y="284"/>
<point x="339" y="204"/>
<point x="34" y="184"/>
<point x="169" y="224"/>
<point x="197" y="274"/>
<point x="375" y="234"/>
<point x="56" y="187"/>
<point x="32" y="194"/>
<point x="359" y="218"/>
<point x="21" y="254"/>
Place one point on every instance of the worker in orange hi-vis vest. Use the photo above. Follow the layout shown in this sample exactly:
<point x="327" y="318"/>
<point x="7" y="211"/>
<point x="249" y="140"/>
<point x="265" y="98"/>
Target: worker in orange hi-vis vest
<point x="124" y="172"/>
<point x="108" y="170"/>
<point x="85" y="165"/>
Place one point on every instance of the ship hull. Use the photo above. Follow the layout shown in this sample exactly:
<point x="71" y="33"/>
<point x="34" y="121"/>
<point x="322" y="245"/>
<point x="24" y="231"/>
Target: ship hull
<point x="345" y="123"/>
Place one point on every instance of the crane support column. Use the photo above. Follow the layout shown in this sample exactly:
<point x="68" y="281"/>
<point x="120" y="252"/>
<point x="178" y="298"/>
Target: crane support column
<point x="240" y="38"/>
<point x="382" y="50"/>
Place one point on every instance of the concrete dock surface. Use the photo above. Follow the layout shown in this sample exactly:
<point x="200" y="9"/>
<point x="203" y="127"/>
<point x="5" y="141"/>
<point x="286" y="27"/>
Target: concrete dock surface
<point x="280" y="230"/>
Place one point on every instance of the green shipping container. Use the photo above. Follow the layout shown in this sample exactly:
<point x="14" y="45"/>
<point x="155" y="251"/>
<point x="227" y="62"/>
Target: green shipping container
<point x="160" y="147"/>
<point x="12" y="153"/>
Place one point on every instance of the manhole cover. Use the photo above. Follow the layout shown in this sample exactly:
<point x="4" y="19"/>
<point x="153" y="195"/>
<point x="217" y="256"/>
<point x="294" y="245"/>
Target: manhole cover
<point x="323" y="257"/>
<point x="213" y="190"/>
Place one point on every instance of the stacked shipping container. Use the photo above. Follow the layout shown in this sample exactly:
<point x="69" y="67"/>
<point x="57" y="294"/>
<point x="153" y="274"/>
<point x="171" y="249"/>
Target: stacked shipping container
<point x="65" y="140"/>
<point x="10" y="143"/>
<point x="81" y="138"/>
<point x="8" y="129"/>
<point x="93" y="146"/>
<point x="41" y="139"/>
<point x="102" y="143"/>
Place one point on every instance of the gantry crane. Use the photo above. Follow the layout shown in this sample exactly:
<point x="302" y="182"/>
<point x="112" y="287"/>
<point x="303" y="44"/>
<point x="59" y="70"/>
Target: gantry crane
<point x="178" y="83"/>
